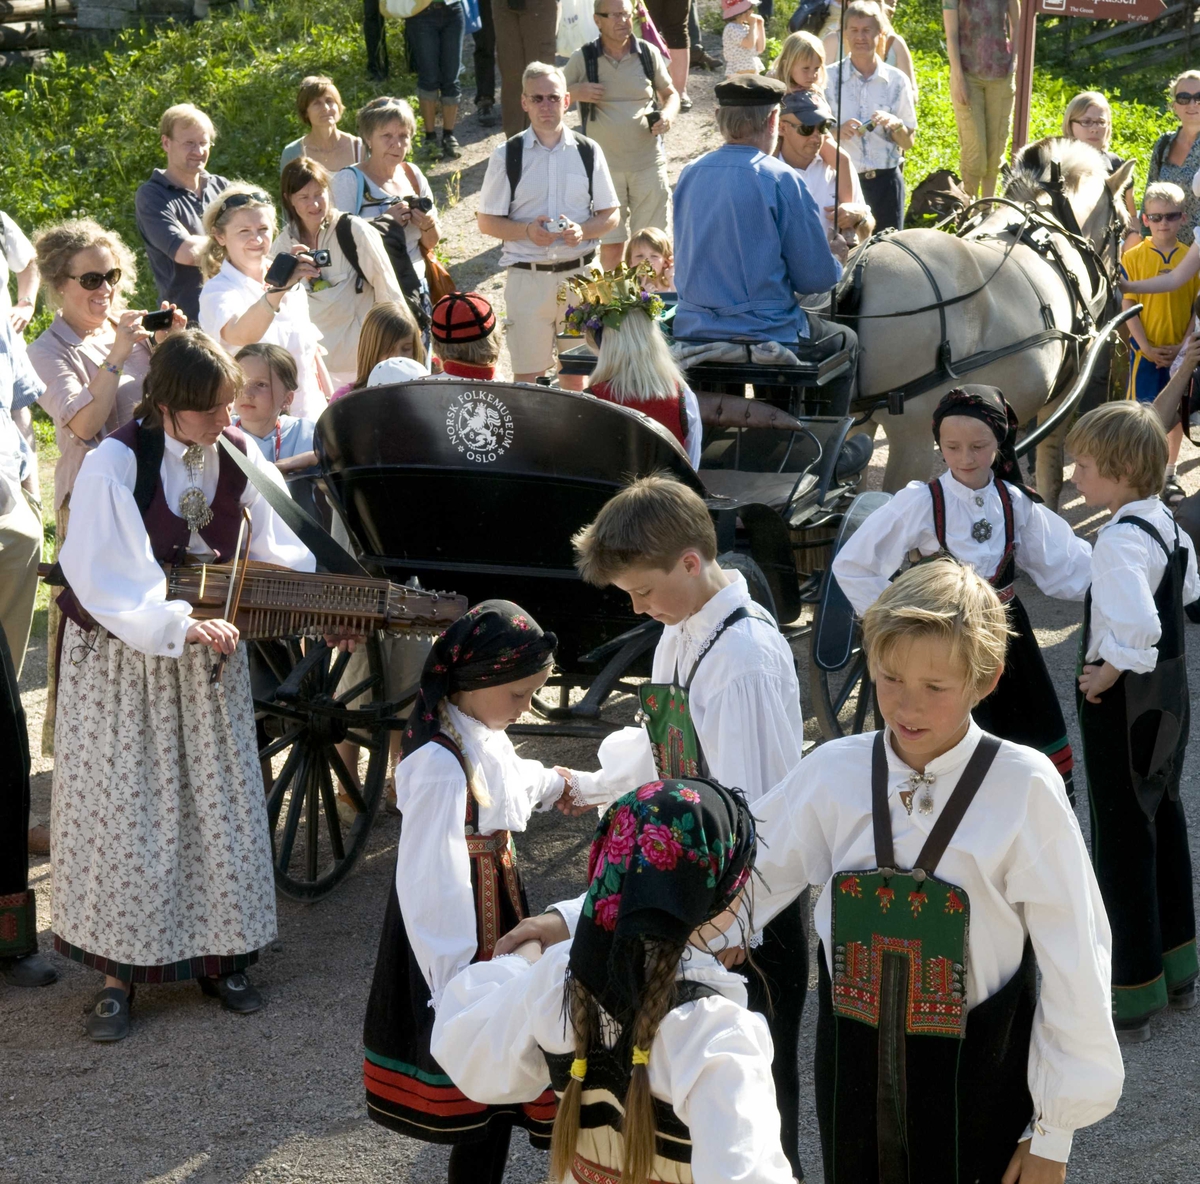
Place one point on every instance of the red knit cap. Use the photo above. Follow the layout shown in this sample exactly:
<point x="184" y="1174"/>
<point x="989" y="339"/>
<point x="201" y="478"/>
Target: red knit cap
<point x="462" y="317"/>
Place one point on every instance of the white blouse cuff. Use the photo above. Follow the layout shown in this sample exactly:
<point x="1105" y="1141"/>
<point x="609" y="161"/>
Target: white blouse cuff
<point x="1125" y="658"/>
<point x="590" y="789"/>
<point x="1051" y="1142"/>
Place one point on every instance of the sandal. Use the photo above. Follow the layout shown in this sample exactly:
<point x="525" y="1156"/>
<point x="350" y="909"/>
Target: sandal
<point x="108" y="1018"/>
<point x="234" y="991"/>
<point x="1173" y="493"/>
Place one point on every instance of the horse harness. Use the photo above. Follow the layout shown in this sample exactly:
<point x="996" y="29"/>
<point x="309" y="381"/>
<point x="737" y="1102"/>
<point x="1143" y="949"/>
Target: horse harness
<point x="1036" y="230"/>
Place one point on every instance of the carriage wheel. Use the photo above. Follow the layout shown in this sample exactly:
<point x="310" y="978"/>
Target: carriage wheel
<point x="844" y="699"/>
<point x="313" y="844"/>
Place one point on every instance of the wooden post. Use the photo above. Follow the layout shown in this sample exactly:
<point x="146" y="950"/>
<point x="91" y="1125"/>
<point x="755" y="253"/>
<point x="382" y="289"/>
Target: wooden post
<point x="1024" y="82"/>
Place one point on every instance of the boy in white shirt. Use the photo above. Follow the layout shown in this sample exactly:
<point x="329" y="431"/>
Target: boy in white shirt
<point x="1134" y="709"/>
<point x="723" y="702"/>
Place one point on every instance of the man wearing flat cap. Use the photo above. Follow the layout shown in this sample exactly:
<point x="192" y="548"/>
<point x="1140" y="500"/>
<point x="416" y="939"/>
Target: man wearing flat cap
<point x="749" y="235"/>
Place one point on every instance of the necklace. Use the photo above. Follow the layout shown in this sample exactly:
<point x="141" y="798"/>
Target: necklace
<point x="917" y="781"/>
<point x="193" y="505"/>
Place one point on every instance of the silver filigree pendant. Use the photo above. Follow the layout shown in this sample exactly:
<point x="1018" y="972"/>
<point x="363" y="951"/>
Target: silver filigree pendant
<point x="981" y="531"/>
<point x="193" y="505"/>
<point x="924" y="783"/>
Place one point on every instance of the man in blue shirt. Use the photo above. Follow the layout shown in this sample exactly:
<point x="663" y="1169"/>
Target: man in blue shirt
<point x="749" y="236"/>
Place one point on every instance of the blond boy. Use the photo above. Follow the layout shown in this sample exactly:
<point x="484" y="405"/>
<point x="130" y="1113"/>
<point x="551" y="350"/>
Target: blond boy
<point x="1133" y="704"/>
<point x="914" y="832"/>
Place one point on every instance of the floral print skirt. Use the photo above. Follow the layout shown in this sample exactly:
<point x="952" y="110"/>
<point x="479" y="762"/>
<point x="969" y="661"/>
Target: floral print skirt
<point x="161" y="855"/>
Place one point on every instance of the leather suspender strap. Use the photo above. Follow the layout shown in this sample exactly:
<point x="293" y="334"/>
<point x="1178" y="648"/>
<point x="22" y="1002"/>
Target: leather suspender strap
<point x="960" y="800"/>
<point x="948" y="821"/>
<point x="1010" y="536"/>
<point x="885" y="853"/>
<point x="938" y="494"/>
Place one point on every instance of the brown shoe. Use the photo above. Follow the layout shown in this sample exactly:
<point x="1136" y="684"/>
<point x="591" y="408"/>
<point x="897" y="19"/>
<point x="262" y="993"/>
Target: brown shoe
<point x="39" y="840"/>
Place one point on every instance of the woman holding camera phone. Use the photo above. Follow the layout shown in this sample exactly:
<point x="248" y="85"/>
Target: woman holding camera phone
<point x="337" y="302"/>
<point x="247" y="296"/>
<point x="386" y="185"/>
<point x="92" y="357"/>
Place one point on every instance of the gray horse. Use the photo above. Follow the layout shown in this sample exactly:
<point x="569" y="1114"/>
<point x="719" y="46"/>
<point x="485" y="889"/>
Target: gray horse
<point x="1010" y="290"/>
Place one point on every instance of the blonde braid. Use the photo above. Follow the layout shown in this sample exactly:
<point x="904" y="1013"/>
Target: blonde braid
<point x="566" y="1121"/>
<point x="658" y="997"/>
<point x="474" y="786"/>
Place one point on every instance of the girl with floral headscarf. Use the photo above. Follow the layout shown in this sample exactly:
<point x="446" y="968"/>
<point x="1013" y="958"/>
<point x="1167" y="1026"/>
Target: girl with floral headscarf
<point x="461" y="790"/>
<point x="980" y="513"/>
<point x="661" y="1071"/>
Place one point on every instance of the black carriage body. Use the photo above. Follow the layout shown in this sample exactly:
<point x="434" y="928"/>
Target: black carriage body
<point x="478" y="487"/>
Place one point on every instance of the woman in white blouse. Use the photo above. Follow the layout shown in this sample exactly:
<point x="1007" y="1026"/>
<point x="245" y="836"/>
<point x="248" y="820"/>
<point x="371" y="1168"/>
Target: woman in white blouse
<point x="236" y="305"/>
<point x="385" y="183"/>
<point x="160" y="848"/>
<point x="340" y="300"/>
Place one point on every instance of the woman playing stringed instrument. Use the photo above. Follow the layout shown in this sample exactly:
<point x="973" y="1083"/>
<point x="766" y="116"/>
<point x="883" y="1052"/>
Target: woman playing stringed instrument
<point x="161" y="853"/>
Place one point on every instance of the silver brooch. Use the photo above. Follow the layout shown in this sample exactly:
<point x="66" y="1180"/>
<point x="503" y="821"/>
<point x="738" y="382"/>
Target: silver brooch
<point x="923" y="782"/>
<point x="979" y="499"/>
<point x="193" y="505"/>
<point x="981" y="531"/>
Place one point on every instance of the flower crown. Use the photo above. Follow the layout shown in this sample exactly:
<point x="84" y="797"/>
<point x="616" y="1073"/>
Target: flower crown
<point x="602" y="299"/>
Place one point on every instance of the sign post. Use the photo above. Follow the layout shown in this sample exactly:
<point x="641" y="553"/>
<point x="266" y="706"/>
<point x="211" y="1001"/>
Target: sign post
<point x="1094" y="10"/>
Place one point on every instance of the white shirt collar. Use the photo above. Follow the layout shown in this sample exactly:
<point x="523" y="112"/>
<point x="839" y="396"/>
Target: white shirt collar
<point x="956" y="488"/>
<point x="701" y="623"/>
<point x="948" y="762"/>
<point x="565" y="140"/>
<point x="1138" y="509"/>
<point x="239" y="279"/>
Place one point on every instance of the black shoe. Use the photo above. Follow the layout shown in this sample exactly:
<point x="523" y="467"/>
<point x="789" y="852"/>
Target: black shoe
<point x="108" y="1019"/>
<point x="701" y="60"/>
<point x="1133" y="1031"/>
<point x="450" y="148"/>
<point x="486" y="110"/>
<point x="1182" y="998"/>
<point x="31" y="971"/>
<point x="685" y="103"/>
<point x="1173" y="493"/>
<point x="234" y="991"/>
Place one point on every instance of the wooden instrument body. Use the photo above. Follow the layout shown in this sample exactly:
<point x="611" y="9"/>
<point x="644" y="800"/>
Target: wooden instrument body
<point x="273" y="602"/>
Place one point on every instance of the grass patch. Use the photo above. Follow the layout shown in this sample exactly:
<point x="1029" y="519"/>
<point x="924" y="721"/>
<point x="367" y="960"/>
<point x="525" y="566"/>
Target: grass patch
<point x="81" y="130"/>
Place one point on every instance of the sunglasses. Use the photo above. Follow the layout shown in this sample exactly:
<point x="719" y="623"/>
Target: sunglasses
<point x="808" y="129"/>
<point x="237" y="200"/>
<point x="1156" y="218"/>
<point x="91" y="280"/>
<point x="538" y="100"/>
<point x="625" y="15"/>
<point x="1186" y="100"/>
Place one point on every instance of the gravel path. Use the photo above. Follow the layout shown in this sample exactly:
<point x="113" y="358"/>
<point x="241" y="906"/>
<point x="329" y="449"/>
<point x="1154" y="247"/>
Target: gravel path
<point x="198" y="1095"/>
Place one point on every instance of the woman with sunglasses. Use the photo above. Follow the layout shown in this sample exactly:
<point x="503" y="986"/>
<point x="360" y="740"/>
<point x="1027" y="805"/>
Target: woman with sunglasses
<point x="1088" y="118"/>
<point x="92" y="357"/>
<point x="1175" y="156"/>
<point x="237" y="305"/>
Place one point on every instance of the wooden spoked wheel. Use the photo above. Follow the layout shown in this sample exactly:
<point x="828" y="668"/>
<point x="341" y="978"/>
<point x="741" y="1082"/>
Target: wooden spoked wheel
<point x="319" y="811"/>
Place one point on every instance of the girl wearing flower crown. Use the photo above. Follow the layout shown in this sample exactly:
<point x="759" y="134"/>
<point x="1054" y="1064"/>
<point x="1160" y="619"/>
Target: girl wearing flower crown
<point x="634" y="366"/>
<point x="461" y="790"/>
<point x="661" y="1071"/>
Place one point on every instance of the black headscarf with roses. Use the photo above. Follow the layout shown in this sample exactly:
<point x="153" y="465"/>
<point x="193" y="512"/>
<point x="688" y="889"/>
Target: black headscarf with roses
<point x="665" y="859"/>
<point x="987" y="404"/>
<point x="493" y="643"/>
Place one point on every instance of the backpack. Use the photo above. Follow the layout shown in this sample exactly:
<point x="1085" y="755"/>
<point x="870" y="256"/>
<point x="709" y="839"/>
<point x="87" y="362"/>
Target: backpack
<point x="514" y="155"/>
<point x="395" y="246"/>
<point x="809" y="17"/>
<point x="591" y="64"/>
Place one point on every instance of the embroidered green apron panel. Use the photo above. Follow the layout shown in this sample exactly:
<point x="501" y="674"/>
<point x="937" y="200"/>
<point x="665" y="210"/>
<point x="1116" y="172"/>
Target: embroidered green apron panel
<point x="912" y="916"/>
<point x="672" y="733"/>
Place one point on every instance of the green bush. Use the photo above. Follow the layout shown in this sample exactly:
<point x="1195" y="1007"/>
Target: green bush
<point x="81" y="131"/>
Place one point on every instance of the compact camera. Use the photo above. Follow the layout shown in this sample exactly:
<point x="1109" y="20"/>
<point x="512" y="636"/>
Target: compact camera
<point x="557" y="225"/>
<point x="320" y="258"/>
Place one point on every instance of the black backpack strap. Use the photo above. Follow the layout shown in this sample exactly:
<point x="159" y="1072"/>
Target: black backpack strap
<point x="1142" y="524"/>
<point x="591" y="68"/>
<point x="151" y="444"/>
<point x="587" y="153"/>
<point x="514" y="152"/>
<point x="344" y="232"/>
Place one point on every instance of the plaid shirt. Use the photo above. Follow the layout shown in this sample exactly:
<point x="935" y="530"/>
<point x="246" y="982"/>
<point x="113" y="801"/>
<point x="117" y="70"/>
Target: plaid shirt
<point x="887" y="89"/>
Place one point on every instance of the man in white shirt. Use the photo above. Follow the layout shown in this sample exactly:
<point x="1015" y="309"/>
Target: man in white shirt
<point x="550" y="220"/>
<point x="879" y="119"/>
<point x="628" y="106"/>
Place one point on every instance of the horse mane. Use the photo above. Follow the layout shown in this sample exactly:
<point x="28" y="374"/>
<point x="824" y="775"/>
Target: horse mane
<point x="1080" y="163"/>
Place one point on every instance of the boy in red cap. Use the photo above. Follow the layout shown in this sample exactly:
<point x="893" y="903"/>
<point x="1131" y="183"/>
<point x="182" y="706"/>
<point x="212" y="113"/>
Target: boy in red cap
<point x="464" y="336"/>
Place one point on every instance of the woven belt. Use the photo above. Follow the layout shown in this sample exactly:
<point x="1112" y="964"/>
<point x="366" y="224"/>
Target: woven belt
<point x="1006" y="594"/>
<point x="583" y="1171"/>
<point x="491" y="844"/>
<point x="567" y="265"/>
